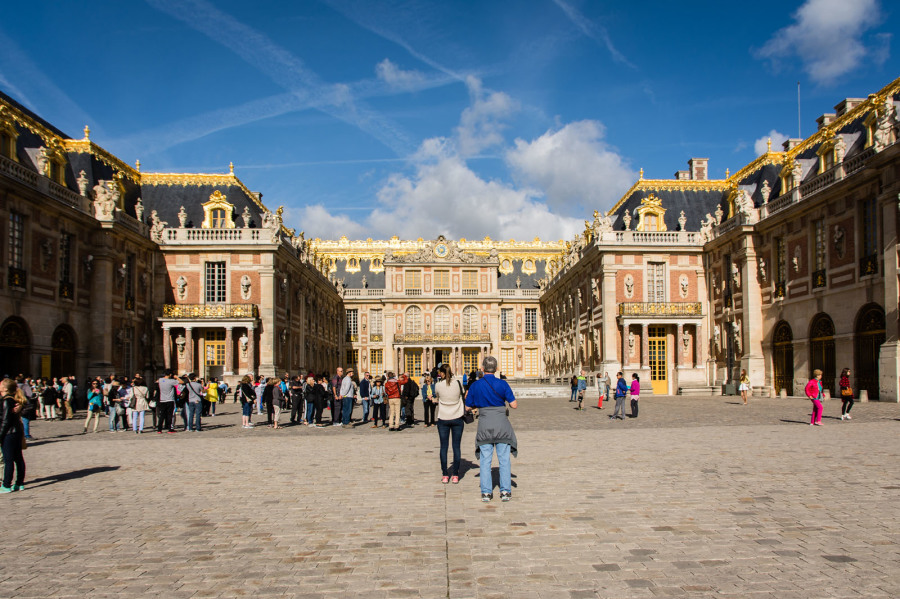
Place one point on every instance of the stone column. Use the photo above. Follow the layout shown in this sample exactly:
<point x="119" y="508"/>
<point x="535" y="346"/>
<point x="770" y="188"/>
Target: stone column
<point x="102" y="334"/>
<point x="889" y="356"/>
<point x="167" y="348"/>
<point x="229" y="350"/>
<point x="751" y="317"/>
<point x="251" y="350"/>
<point x="189" y="349"/>
<point x="680" y="361"/>
<point x="626" y="351"/>
<point x="645" y="346"/>
<point x="698" y="346"/>
<point x="609" y="361"/>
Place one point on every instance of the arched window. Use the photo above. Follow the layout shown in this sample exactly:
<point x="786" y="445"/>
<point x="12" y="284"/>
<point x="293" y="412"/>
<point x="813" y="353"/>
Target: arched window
<point x="821" y="349"/>
<point x="62" y="353"/>
<point x="868" y="338"/>
<point x="15" y="346"/>
<point x="413" y="320"/>
<point x="469" y="320"/>
<point x="783" y="358"/>
<point x="441" y="320"/>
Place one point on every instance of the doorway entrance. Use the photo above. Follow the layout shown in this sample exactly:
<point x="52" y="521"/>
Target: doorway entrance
<point x="442" y="355"/>
<point x="656" y="339"/>
<point x="783" y="358"/>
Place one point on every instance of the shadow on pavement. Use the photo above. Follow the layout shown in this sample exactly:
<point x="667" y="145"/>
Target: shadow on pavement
<point x="49" y="480"/>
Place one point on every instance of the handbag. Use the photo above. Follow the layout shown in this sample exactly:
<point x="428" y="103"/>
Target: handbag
<point x="847" y="392"/>
<point x="468" y="415"/>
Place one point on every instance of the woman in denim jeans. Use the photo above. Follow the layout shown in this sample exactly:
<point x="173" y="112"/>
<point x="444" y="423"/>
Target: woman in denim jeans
<point x="450" y="410"/>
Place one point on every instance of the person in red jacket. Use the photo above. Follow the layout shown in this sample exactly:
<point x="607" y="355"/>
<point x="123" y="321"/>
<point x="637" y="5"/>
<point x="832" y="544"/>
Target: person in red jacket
<point x="814" y="393"/>
<point x="392" y="391"/>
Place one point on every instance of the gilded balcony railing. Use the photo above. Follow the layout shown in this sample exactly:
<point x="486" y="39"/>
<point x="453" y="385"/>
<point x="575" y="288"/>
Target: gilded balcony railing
<point x="442" y="338"/>
<point x="210" y="311"/>
<point x="660" y="309"/>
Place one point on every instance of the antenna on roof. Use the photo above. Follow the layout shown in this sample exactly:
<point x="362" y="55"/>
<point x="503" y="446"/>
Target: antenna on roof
<point x="799" y="134"/>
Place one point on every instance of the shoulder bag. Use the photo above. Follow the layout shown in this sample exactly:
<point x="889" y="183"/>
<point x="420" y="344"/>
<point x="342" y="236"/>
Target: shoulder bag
<point x="468" y="416"/>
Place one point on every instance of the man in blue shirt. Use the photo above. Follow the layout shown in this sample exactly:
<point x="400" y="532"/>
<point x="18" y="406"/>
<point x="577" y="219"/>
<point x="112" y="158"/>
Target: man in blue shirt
<point x="491" y="395"/>
<point x="621" y="391"/>
<point x="582" y="388"/>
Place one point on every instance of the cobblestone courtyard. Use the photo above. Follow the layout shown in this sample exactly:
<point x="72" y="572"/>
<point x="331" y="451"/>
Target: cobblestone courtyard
<point x="696" y="498"/>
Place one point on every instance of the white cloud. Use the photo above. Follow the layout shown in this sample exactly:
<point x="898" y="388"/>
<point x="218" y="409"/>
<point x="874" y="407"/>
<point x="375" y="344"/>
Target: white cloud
<point x="573" y="166"/>
<point x="396" y="77"/>
<point x="827" y="37"/>
<point x="316" y="221"/>
<point x="448" y="198"/>
<point x="480" y="125"/>
<point x="778" y="138"/>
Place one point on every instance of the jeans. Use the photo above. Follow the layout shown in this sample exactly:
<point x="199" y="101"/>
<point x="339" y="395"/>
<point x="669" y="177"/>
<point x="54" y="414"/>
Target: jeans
<point x="113" y="419"/>
<point x="430" y="409"/>
<point x="194" y="413"/>
<point x="619" y="411"/>
<point x="26" y="426"/>
<point x="310" y="410"/>
<point x="379" y="410"/>
<point x="574" y="393"/>
<point x="336" y="410"/>
<point x="165" y="412"/>
<point x="137" y="420"/>
<point x="346" y="410"/>
<point x="487" y="456"/>
<point x="13" y="458"/>
<point x="816" y="417"/>
<point x="365" y="405"/>
<point x="634" y="406"/>
<point x="445" y="427"/>
<point x="246" y="409"/>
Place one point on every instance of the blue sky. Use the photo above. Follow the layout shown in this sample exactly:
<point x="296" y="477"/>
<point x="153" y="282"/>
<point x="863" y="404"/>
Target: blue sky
<point x="419" y="118"/>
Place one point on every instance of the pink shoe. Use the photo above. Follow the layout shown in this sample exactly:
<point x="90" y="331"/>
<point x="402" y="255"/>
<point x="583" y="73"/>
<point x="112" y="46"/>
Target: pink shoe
<point x="455" y="480"/>
<point x="445" y="479"/>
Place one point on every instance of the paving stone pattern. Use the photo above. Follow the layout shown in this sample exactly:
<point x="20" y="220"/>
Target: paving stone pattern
<point x="699" y="497"/>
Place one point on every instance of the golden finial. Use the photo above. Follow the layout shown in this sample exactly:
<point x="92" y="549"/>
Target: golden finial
<point x="768" y="145"/>
<point x="231" y="167"/>
<point x="87" y="132"/>
<point x="726" y="173"/>
<point x="137" y="165"/>
<point x="641" y="175"/>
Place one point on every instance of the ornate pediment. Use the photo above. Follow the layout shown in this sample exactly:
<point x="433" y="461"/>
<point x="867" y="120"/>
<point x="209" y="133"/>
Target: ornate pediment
<point x="442" y="250"/>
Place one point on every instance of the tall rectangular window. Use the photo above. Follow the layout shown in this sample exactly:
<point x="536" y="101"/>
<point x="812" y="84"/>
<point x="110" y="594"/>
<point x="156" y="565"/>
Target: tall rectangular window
<point x="352" y="324"/>
<point x="376" y="361"/>
<point x="215" y="283"/>
<point x="214" y="342"/>
<point x="470" y="279"/>
<point x="508" y="361"/>
<point x="128" y="349"/>
<point x="5" y="144"/>
<point x="413" y="279"/>
<point x="869" y="222"/>
<point x="352" y="358"/>
<point x="65" y="258"/>
<point x="16" y="240"/>
<point x="656" y="282"/>
<point x="531" y="362"/>
<point x="821" y="248"/>
<point x="442" y="279"/>
<point x="506" y="321"/>
<point x="376" y="322"/>
<point x="129" y="274"/>
<point x="530" y="321"/>
<point x="780" y="257"/>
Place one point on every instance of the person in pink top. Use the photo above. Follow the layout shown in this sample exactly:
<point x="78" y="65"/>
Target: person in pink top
<point x="814" y="393"/>
<point x="635" y="393"/>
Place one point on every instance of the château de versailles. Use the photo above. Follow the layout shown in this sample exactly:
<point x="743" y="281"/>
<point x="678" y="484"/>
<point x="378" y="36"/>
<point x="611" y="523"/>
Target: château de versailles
<point x="787" y="265"/>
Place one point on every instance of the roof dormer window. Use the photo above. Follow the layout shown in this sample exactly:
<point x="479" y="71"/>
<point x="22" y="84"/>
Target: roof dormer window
<point x="217" y="212"/>
<point x="651" y="214"/>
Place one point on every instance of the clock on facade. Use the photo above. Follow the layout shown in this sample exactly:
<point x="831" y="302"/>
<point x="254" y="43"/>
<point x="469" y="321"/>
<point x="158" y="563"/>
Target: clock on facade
<point x="441" y="250"/>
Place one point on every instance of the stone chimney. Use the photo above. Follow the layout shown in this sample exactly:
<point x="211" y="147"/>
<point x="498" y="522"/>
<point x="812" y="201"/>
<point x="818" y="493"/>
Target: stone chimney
<point x="847" y="104"/>
<point x="698" y="168"/>
<point x="791" y="143"/>
<point x="825" y="120"/>
<point x="682" y="175"/>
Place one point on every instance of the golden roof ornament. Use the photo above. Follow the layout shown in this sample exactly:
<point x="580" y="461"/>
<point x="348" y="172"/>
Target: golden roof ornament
<point x="768" y="145"/>
<point x="641" y="174"/>
<point x="87" y="132"/>
<point x="137" y="165"/>
<point x="727" y="172"/>
<point x="231" y="167"/>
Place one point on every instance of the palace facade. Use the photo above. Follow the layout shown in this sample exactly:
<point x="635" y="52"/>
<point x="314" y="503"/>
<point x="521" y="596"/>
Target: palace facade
<point x="787" y="265"/>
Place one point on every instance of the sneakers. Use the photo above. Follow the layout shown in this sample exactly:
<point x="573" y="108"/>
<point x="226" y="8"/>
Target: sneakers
<point x="454" y="480"/>
<point x="505" y="495"/>
<point x="849" y="417"/>
<point x="18" y="487"/>
<point x="485" y="497"/>
<point x="6" y="489"/>
<point x="445" y="480"/>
